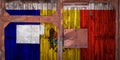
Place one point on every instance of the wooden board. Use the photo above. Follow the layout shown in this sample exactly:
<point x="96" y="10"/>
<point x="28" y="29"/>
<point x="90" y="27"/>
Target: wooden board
<point x="71" y="20"/>
<point x="101" y="34"/>
<point x="48" y="49"/>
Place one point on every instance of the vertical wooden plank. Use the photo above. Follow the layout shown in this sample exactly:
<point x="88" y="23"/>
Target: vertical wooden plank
<point x="0" y="7"/>
<point x="105" y="31"/>
<point x="85" y="21"/>
<point x="3" y="6"/>
<point x="118" y="18"/>
<point x="117" y="4"/>
<point x="97" y="32"/>
<point x="101" y="35"/>
<point x="48" y="49"/>
<point x="111" y="35"/>
<point x="1" y="40"/>
<point x="71" y="20"/>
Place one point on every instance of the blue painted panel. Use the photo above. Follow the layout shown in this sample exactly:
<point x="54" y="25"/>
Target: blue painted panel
<point x="14" y="51"/>
<point x="24" y="12"/>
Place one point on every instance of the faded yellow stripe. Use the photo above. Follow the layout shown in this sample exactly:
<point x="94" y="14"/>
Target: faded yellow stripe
<point x="47" y="12"/>
<point x="71" y="20"/>
<point x="45" y="52"/>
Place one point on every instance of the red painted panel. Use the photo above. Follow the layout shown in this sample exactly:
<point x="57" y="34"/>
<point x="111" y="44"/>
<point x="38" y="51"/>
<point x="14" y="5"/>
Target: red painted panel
<point x="85" y="18"/>
<point x="101" y="34"/>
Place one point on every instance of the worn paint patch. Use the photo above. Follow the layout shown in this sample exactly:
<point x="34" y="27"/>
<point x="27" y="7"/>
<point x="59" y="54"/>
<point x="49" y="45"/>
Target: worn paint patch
<point x="75" y="38"/>
<point x="28" y="34"/>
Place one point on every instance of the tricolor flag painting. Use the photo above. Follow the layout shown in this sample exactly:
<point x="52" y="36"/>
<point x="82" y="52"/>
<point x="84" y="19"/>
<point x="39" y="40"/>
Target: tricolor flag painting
<point x="30" y="41"/>
<point x="34" y="9"/>
<point x="39" y="41"/>
<point x="99" y="20"/>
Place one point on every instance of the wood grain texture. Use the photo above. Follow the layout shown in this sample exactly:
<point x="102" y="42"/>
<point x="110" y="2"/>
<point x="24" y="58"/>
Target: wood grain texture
<point x="31" y="0"/>
<point x="101" y="34"/>
<point x="26" y="19"/>
<point x="46" y="52"/>
<point x="87" y="0"/>
<point x="71" y="20"/>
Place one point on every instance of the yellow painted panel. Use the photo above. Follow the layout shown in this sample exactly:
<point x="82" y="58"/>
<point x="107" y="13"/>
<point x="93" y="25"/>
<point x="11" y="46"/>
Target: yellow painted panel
<point x="71" y="54"/>
<point x="47" y="53"/>
<point x="71" y="20"/>
<point x="47" y="12"/>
